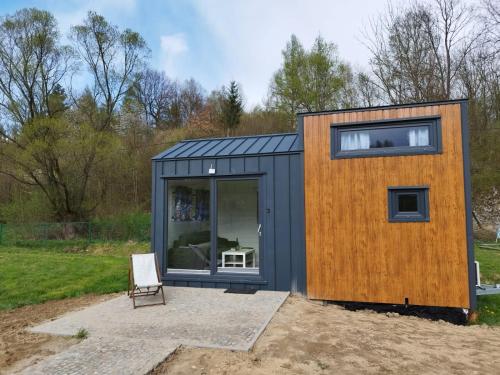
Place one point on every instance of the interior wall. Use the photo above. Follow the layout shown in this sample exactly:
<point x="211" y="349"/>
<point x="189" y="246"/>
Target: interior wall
<point x="238" y="212"/>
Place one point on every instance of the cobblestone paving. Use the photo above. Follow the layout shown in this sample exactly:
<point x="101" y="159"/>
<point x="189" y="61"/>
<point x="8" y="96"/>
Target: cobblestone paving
<point x="106" y="356"/>
<point x="121" y="338"/>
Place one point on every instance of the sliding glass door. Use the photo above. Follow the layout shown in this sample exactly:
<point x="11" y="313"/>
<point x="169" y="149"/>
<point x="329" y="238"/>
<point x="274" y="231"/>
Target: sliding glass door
<point x="214" y="225"/>
<point x="189" y="231"/>
<point x="238" y="226"/>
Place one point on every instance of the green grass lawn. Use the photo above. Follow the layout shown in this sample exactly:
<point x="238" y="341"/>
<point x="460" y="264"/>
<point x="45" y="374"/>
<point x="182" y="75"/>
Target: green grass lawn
<point x="489" y="306"/>
<point x="35" y="274"/>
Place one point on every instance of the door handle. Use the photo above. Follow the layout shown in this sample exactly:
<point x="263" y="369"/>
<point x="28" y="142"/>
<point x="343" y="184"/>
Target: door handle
<point x="259" y="230"/>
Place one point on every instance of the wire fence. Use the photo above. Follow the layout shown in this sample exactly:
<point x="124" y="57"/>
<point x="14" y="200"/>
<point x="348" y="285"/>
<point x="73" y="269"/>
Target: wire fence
<point x="87" y="232"/>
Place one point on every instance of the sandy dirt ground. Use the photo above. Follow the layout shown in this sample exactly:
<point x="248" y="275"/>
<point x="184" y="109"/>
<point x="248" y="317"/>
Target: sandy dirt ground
<point x="20" y="348"/>
<point x="307" y="338"/>
<point x="304" y="337"/>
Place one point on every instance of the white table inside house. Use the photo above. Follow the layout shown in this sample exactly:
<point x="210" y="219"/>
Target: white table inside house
<point x="238" y="258"/>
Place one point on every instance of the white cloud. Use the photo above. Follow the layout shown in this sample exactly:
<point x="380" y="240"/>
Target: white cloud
<point x="253" y="33"/>
<point x="172" y="47"/>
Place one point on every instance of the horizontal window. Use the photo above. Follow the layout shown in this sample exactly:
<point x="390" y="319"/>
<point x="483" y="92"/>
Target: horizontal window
<point x="387" y="138"/>
<point x="408" y="204"/>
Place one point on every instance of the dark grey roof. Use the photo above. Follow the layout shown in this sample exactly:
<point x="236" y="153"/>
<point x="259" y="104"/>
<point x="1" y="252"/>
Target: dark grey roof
<point x="233" y="146"/>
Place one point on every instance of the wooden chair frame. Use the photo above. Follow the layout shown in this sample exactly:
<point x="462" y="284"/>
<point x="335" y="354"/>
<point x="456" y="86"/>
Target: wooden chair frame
<point x="134" y="291"/>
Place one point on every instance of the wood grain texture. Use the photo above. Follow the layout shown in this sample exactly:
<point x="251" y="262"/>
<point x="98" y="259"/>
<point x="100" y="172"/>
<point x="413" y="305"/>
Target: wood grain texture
<point x="353" y="252"/>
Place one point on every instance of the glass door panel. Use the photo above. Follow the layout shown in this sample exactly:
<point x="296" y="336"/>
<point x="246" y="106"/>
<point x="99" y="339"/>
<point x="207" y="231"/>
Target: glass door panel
<point x="238" y="226"/>
<point x="189" y="235"/>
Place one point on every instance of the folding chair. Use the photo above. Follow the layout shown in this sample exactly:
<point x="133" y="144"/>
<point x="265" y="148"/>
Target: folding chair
<point x="144" y="277"/>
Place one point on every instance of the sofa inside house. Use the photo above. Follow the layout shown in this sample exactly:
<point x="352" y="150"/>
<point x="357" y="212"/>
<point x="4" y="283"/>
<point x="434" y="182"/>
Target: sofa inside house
<point x="192" y="250"/>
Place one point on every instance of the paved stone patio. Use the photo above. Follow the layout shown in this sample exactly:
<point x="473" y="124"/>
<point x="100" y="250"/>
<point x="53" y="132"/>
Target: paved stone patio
<point x="106" y="355"/>
<point x="127" y="341"/>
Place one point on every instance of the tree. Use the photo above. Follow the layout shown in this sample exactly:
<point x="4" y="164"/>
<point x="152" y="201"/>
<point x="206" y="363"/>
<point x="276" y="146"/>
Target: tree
<point x="287" y="87"/>
<point x="312" y="80"/>
<point x="157" y="95"/>
<point x="137" y="147"/>
<point x="261" y="121"/>
<point x="444" y="50"/>
<point x="216" y="102"/>
<point x="491" y="20"/>
<point x="480" y="82"/>
<point x="232" y="107"/>
<point x="191" y="100"/>
<point x="417" y="51"/>
<point x="63" y="151"/>
<point x="368" y="92"/>
<point x="324" y="77"/>
<point x="32" y="66"/>
<point x="53" y="157"/>
<point x="112" y="57"/>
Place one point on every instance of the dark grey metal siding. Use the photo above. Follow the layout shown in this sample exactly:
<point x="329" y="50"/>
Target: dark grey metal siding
<point x="283" y="266"/>
<point x="468" y="205"/>
<point x="297" y="225"/>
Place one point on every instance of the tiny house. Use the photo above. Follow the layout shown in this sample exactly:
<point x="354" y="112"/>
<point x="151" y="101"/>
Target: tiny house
<point x="360" y="205"/>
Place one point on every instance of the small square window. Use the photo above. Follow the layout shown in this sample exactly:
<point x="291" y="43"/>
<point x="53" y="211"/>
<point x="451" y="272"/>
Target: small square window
<point x="408" y="204"/>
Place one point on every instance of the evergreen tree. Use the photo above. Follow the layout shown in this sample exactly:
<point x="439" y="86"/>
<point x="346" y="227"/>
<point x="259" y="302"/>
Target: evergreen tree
<point x="232" y="107"/>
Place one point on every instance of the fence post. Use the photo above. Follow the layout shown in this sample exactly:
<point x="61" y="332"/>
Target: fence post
<point x="90" y="232"/>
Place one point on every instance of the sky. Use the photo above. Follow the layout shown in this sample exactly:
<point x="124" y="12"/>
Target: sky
<point x="216" y="41"/>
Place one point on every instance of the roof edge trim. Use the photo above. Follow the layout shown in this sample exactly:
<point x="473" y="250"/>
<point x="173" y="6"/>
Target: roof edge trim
<point x="388" y="106"/>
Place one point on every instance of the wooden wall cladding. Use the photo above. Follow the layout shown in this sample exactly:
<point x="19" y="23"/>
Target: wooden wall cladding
<point x="353" y="252"/>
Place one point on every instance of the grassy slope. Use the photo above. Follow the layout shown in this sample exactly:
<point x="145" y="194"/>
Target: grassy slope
<point x="34" y="275"/>
<point x="489" y="306"/>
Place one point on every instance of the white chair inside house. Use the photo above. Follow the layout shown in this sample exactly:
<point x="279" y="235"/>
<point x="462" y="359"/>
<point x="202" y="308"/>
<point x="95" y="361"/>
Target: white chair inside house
<point x="144" y="278"/>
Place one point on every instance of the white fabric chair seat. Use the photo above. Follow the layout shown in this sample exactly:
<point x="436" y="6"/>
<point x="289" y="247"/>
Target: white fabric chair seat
<point x="148" y="286"/>
<point x="144" y="268"/>
<point x="143" y="278"/>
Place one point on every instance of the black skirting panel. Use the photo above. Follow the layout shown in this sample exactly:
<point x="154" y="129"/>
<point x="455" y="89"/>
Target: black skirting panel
<point x="218" y="285"/>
